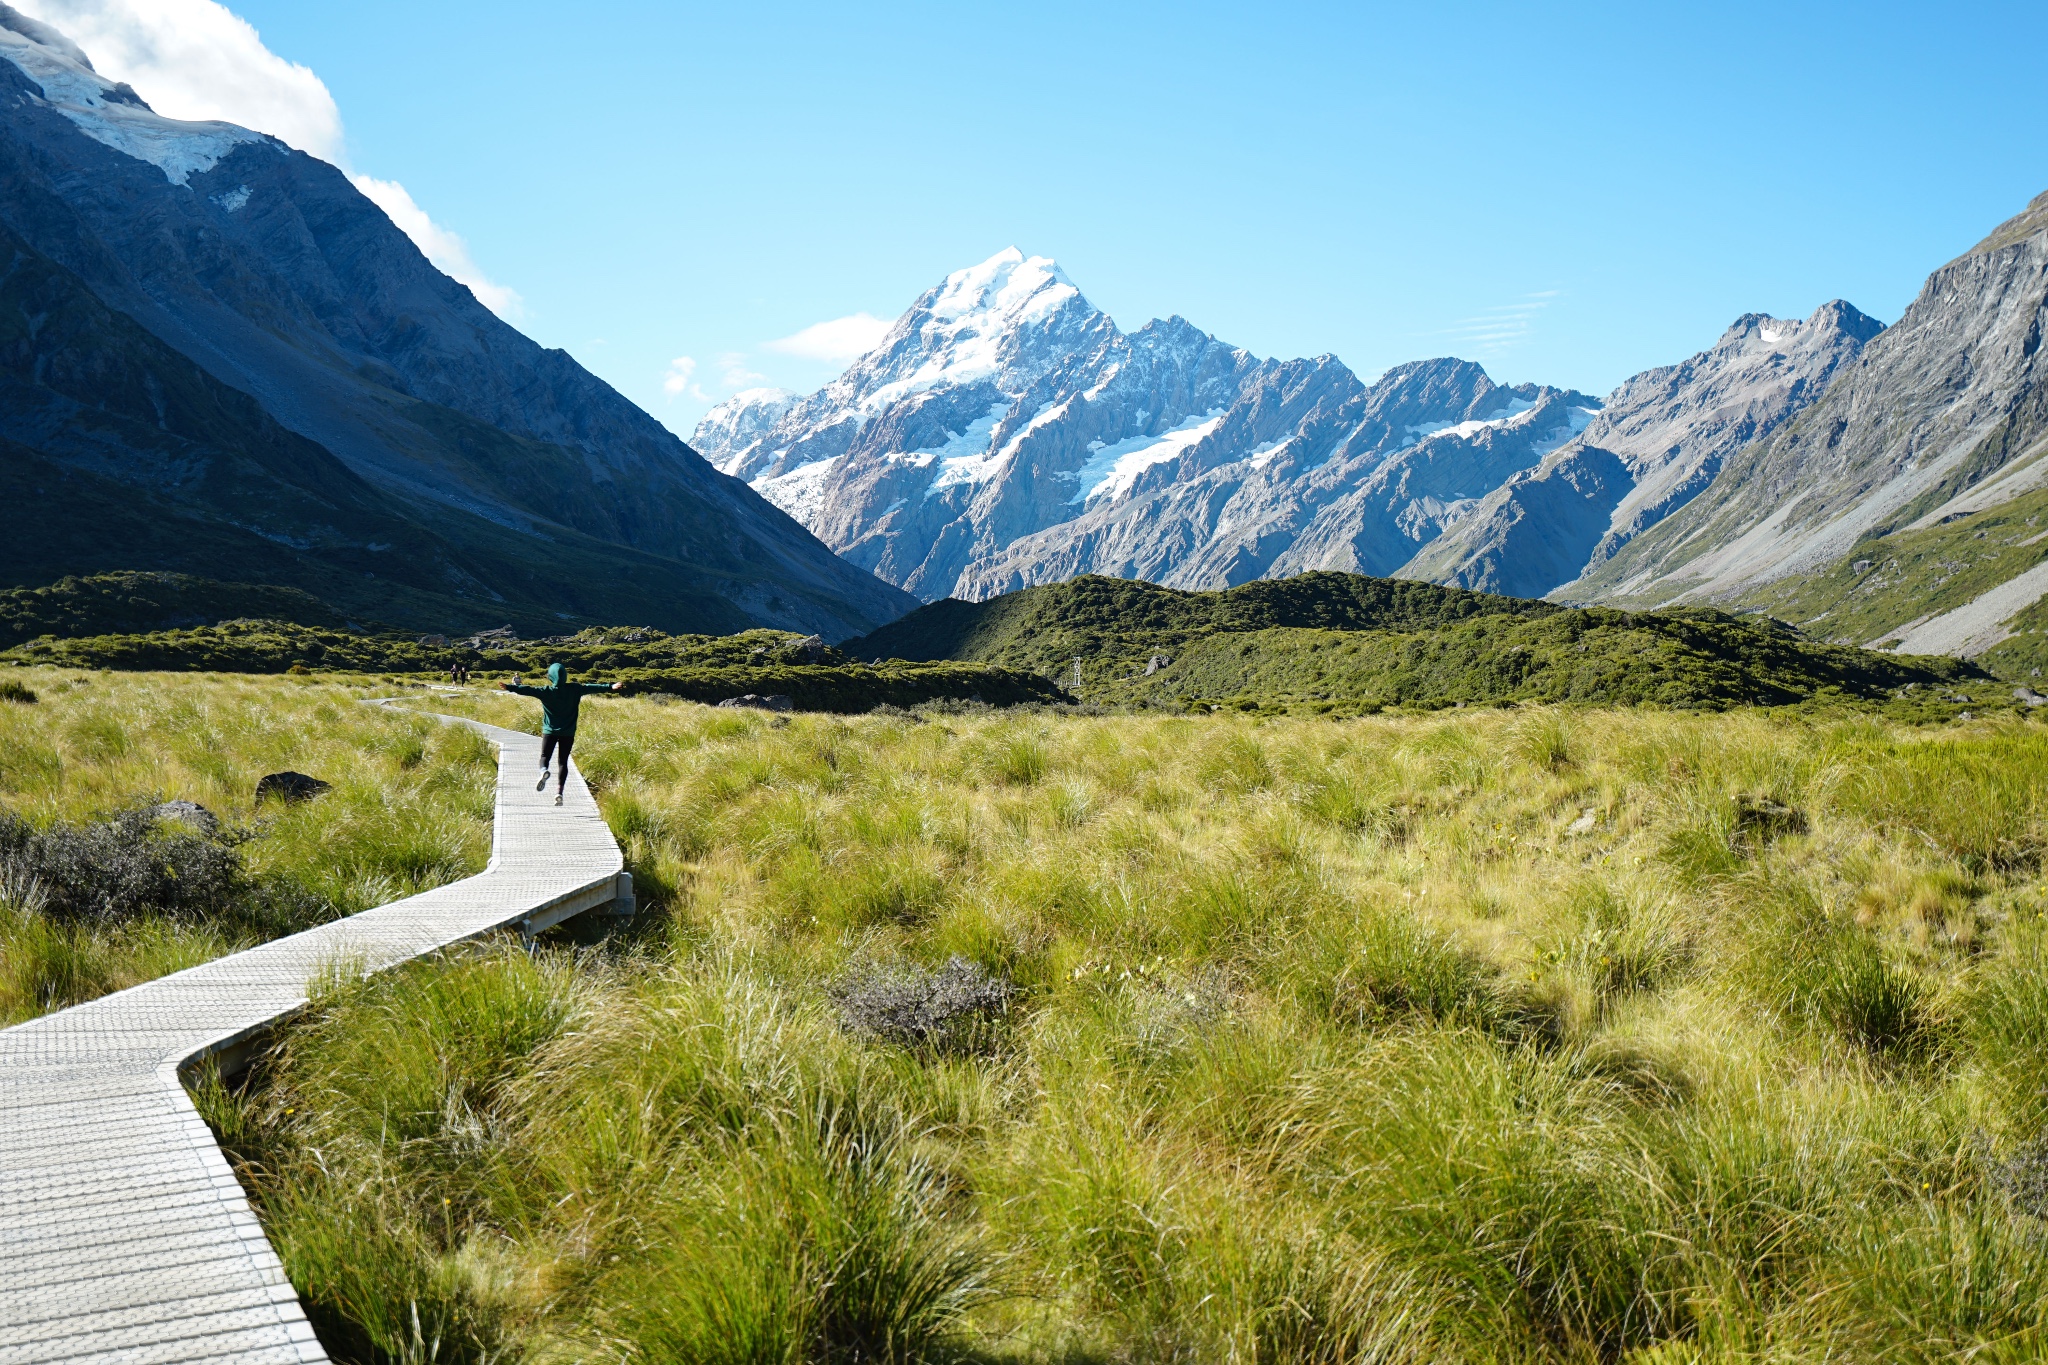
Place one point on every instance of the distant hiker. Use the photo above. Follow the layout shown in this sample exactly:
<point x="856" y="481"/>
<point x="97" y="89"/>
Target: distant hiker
<point x="558" y="703"/>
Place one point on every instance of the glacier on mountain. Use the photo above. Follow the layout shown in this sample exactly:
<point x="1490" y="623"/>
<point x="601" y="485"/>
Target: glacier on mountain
<point x="112" y="113"/>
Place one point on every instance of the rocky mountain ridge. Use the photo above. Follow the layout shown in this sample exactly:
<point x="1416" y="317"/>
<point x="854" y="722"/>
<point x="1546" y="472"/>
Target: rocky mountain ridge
<point x="1659" y="439"/>
<point x="1904" y="503"/>
<point x="267" y="270"/>
<point x="1005" y="432"/>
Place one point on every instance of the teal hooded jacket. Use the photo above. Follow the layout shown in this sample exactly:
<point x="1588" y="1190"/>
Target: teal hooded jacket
<point x="558" y="700"/>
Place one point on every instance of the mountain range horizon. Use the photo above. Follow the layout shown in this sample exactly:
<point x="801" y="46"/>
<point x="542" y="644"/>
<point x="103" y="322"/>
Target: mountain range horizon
<point x="978" y="326"/>
<point x="1003" y="433"/>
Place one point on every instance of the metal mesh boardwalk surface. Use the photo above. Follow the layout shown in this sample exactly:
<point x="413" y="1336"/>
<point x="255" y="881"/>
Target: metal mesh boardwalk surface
<point x="123" y="1234"/>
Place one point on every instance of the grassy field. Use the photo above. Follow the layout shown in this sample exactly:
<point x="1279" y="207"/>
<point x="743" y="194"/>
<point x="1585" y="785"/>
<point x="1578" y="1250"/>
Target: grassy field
<point x="94" y="898"/>
<point x="1502" y="1036"/>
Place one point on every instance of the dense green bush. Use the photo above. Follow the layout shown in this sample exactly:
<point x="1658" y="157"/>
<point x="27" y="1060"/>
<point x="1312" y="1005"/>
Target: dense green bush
<point x="851" y="688"/>
<point x="115" y="869"/>
<point x="707" y="668"/>
<point x="1347" y="644"/>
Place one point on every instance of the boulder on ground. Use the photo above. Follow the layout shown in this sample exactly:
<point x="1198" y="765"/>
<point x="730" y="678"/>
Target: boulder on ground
<point x="775" y="703"/>
<point x="189" y="813"/>
<point x="289" y="786"/>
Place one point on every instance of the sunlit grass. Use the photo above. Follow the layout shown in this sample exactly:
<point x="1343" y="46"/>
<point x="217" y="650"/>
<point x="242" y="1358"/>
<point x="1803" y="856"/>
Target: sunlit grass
<point x="1508" y="1036"/>
<point x="410" y="808"/>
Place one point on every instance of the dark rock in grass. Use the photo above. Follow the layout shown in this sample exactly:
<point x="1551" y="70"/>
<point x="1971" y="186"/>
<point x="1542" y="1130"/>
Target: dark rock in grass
<point x="189" y="813"/>
<point x="2024" y="1178"/>
<point x="14" y="691"/>
<point x="954" y="1009"/>
<point x="290" y="786"/>
<point x="1760" y="820"/>
<point x="775" y="703"/>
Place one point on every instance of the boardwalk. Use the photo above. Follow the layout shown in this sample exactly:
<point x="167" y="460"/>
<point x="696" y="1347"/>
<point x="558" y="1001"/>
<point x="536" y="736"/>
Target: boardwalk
<point x="123" y="1234"/>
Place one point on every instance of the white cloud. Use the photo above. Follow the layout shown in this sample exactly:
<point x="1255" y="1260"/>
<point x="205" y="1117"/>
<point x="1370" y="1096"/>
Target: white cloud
<point x="196" y="59"/>
<point x="448" y="252"/>
<point x="839" y="340"/>
<point x="677" y="382"/>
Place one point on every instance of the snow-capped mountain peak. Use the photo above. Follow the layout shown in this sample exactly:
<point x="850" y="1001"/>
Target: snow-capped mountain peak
<point x="1004" y="431"/>
<point x="1007" y="288"/>
<point x="987" y="323"/>
<point x="108" y="111"/>
<point x="744" y="418"/>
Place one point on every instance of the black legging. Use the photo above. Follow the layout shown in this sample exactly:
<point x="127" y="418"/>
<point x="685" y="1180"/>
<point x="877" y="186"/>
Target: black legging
<point x="551" y="745"/>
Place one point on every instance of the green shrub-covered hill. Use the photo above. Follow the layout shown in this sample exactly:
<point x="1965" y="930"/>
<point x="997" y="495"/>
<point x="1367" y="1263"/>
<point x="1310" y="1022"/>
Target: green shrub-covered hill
<point x="1347" y="642"/>
<point x="707" y="668"/>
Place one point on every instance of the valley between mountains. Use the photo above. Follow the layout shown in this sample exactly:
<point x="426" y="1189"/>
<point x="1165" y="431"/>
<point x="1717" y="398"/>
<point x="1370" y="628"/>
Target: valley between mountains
<point x="1133" y="852"/>
<point x="218" y="359"/>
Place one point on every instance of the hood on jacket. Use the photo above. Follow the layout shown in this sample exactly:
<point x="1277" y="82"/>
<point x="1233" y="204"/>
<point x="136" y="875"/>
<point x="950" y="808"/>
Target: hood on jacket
<point x="556" y="673"/>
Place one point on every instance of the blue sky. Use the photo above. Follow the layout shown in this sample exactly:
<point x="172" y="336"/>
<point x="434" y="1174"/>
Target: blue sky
<point x="1566" y="193"/>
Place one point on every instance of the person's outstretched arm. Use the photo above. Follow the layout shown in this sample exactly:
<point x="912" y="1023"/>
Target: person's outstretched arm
<point x="520" y="688"/>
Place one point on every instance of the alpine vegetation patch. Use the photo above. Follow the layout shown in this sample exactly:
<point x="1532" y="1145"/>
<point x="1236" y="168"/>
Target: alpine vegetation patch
<point x="954" y="1009"/>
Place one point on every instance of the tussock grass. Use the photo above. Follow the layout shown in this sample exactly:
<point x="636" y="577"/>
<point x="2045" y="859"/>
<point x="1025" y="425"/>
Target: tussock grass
<point x="410" y="809"/>
<point x="1495" y="1037"/>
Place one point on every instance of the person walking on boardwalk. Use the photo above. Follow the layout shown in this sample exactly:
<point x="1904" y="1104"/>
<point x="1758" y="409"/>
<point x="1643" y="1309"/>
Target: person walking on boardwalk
<point x="558" y="703"/>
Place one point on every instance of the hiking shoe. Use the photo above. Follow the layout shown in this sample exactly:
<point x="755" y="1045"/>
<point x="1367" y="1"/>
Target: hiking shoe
<point x="558" y="798"/>
<point x="542" y="785"/>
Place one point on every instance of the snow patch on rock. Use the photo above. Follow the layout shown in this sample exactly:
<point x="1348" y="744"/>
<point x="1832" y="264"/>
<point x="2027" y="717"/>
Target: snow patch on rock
<point x="1112" y="469"/>
<point x="800" y="492"/>
<point x="111" y="113"/>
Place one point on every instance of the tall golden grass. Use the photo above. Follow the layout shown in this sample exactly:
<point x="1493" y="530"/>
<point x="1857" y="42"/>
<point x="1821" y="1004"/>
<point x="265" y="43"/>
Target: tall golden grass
<point x="1519" y="1036"/>
<point x="410" y="808"/>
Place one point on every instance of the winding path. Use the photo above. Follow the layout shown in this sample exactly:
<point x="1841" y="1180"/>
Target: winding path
<point x="123" y="1234"/>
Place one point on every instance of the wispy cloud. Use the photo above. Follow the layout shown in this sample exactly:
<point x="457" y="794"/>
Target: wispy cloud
<point x="837" y="340"/>
<point x="733" y="372"/>
<point x="197" y="59"/>
<point x="1500" y="329"/>
<point x="681" y="380"/>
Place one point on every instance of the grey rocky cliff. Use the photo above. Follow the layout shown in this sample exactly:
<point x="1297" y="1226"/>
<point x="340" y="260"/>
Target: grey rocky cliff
<point x="1658" y="440"/>
<point x="1942" y="414"/>
<point x="1312" y="469"/>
